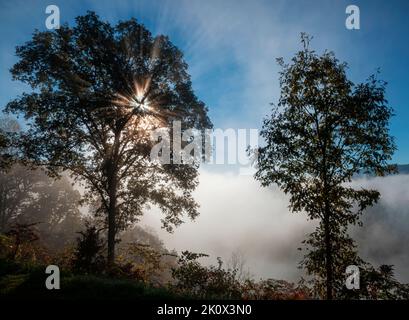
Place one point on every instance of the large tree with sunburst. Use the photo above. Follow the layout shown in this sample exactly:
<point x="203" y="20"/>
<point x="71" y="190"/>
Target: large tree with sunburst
<point x="98" y="91"/>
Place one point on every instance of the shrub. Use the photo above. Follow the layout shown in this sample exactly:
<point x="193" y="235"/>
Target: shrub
<point x="20" y="244"/>
<point x="203" y="282"/>
<point x="88" y="257"/>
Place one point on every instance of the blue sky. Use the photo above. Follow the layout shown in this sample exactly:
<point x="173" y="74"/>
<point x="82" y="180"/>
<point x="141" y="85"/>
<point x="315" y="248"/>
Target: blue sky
<point x="231" y="47"/>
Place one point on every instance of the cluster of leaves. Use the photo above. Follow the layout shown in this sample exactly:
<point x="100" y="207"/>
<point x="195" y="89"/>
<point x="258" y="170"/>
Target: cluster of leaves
<point x="19" y="244"/>
<point x="88" y="255"/>
<point x="137" y="261"/>
<point x="344" y="254"/>
<point x="199" y="281"/>
<point x="377" y="284"/>
<point x="140" y="262"/>
<point x="215" y="282"/>
<point x="271" y="289"/>
<point x="8" y="129"/>
<point x="30" y="196"/>
<point x="142" y="255"/>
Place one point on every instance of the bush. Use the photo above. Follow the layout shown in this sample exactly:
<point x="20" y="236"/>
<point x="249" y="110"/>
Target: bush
<point x="88" y="256"/>
<point x="272" y="289"/>
<point x="202" y="282"/>
<point x="20" y="244"/>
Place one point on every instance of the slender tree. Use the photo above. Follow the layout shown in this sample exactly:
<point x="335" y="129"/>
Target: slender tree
<point x="31" y="197"/>
<point x="98" y="92"/>
<point x="323" y="131"/>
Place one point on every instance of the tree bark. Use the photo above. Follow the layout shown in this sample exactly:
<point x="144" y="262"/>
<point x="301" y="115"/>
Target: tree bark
<point x="327" y="221"/>
<point x="112" y="175"/>
<point x="328" y="252"/>
<point x="111" y="228"/>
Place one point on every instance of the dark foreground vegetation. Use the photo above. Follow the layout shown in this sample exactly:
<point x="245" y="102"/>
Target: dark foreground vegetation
<point x="149" y="272"/>
<point x="140" y="272"/>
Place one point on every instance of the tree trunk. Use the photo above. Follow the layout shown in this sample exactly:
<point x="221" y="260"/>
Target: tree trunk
<point x="111" y="229"/>
<point x="327" y="220"/>
<point x="328" y="253"/>
<point x="112" y="175"/>
<point x="112" y="213"/>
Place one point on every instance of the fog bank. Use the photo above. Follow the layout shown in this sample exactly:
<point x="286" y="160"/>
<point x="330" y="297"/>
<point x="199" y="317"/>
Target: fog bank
<point x="236" y="214"/>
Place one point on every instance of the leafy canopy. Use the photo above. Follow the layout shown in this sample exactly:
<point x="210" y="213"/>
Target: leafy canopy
<point x="98" y="92"/>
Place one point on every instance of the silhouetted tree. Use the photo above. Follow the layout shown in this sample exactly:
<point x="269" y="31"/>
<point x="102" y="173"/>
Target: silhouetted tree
<point x="88" y="255"/>
<point x="324" y="130"/>
<point x="99" y="90"/>
<point x="16" y="193"/>
<point x="21" y="234"/>
<point x="30" y="196"/>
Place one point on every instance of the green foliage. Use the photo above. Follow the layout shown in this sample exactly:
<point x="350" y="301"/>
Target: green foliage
<point x="25" y="279"/>
<point x="272" y="289"/>
<point x="322" y="132"/>
<point x="88" y="255"/>
<point x="98" y="92"/>
<point x="79" y="287"/>
<point x="146" y="255"/>
<point x="344" y="253"/>
<point x="377" y="284"/>
<point x="203" y="282"/>
<point x="10" y="283"/>
<point x="30" y="196"/>
<point x="84" y="287"/>
<point x="142" y="262"/>
<point x="8" y="129"/>
<point x="215" y="282"/>
<point x="21" y="244"/>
